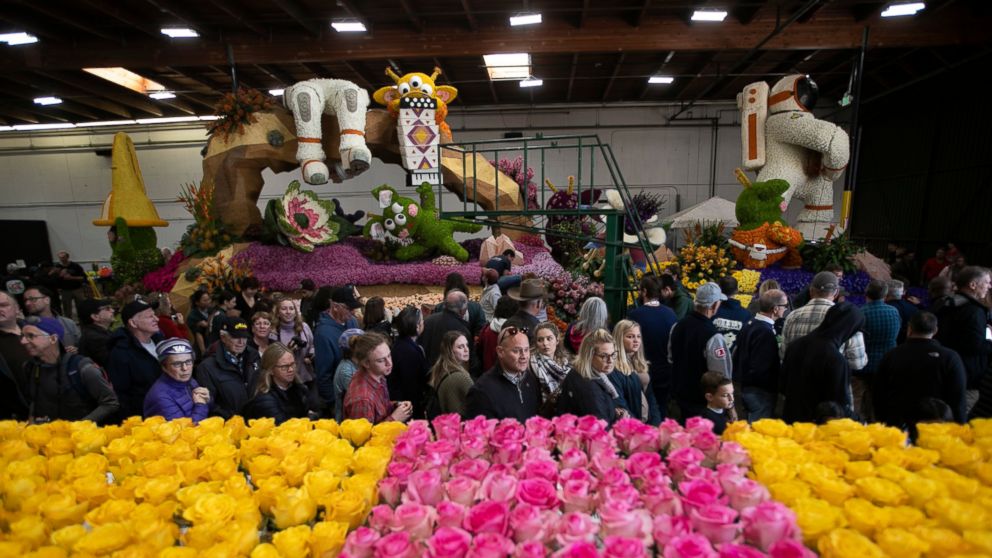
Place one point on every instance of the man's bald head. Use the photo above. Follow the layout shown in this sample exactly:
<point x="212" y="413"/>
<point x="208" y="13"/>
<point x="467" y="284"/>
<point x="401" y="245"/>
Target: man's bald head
<point x="456" y="301"/>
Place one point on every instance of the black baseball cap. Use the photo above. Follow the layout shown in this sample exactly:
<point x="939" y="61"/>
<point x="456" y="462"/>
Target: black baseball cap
<point x="236" y="327"/>
<point x="346" y="296"/>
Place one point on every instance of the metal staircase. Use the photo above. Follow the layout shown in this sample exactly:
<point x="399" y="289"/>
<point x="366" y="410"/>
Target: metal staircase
<point x="594" y="167"/>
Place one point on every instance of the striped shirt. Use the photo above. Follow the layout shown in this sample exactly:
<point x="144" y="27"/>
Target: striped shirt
<point x="802" y="321"/>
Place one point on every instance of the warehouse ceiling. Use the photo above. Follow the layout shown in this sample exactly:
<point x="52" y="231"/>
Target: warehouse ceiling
<point x="584" y="51"/>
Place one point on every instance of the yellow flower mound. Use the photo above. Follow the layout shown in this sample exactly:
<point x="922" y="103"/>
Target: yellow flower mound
<point x="747" y="280"/>
<point x="177" y="490"/>
<point x="861" y="490"/>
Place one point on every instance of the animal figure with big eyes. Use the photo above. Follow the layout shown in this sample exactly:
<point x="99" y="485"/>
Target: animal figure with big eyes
<point x="417" y="84"/>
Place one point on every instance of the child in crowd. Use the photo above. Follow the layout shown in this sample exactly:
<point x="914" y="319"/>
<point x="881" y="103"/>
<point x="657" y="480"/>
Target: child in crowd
<point x="719" y="393"/>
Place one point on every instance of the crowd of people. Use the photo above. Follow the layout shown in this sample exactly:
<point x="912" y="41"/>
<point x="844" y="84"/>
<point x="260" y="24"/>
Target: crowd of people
<point x="328" y="353"/>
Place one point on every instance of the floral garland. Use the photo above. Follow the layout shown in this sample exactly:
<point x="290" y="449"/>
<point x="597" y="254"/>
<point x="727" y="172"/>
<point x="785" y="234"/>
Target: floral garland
<point x="522" y="176"/>
<point x="237" y="110"/>
<point x="163" y="279"/>
<point x="567" y="294"/>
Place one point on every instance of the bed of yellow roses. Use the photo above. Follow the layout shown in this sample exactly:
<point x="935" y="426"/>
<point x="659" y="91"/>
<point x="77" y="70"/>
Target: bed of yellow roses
<point x="172" y="489"/>
<point x="862" y="491"/>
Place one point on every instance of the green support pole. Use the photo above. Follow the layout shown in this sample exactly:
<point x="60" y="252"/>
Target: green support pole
<point x="615" y="293"/>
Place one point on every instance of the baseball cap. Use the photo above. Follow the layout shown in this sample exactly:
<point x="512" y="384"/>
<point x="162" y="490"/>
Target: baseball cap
<point x="708" y="293"/>
<point x="825" y="281"/>
<point x="132" y="308"/>
<point x="91" y="306"/>
<point x="51" y="326"/>
<point x="173" y="346"/>
<point x="346" y="296"/>
<point x="236" y="327"/>
<point x="347" y="335"/>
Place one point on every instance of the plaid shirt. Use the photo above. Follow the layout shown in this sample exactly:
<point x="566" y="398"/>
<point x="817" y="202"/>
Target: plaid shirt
<point x="882" y="325"/>
<point x="367" y="398"/>
<point x="802" y="321"/>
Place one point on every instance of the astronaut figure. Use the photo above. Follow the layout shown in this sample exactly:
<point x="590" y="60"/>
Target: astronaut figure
<point x="308" y="100"/>
<point x="782" y="138"/>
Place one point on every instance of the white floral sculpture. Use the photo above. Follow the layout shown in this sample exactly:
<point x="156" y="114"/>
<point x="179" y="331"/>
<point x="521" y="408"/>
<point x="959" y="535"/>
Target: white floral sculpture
<point x="308" y="100"/>
<point x="782" y="138"/>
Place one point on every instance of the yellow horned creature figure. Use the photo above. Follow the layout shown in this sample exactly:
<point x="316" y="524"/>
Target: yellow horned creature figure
<point x="414" y="85"/>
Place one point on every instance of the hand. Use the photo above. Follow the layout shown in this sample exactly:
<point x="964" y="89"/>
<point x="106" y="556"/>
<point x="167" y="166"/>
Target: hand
<point x="201" y="396"/>
<point x="913" y="300"/>
<point x="71" y="349"/>
<point x="731" y="415"/>
<point x="622" y="413"/>
<point x="179" y="319"/>
<point x="403" y="411"/>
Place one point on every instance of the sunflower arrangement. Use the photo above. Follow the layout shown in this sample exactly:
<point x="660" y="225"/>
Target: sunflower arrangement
<point x="236" y="110"/>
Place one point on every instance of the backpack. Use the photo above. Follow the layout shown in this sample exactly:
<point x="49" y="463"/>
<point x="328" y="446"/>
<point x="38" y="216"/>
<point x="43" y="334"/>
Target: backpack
<point x="74" y="364"/>
<point x="432" y="403"/>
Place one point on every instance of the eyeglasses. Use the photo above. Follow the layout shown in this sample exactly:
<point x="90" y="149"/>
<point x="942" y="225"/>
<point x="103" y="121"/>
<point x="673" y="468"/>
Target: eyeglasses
<point x="607" y="356"/>
<point x="33" y="336"/>
<point x="181" y="364"/>
<point x="781" y="306"/>
<point x="34" y="298"/>
<point x="511" y="331"/>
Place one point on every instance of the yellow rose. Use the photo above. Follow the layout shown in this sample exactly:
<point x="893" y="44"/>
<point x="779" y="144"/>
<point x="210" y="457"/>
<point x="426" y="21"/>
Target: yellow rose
<point x="158" y="466"/>
<point x="91" y="463"/>
<point x="55" y="466"/>
<point x="188" y="495"/>
<point x="960" y="487"/>
<point x="261" y="427"/>
<point x="88" y="440"/>
<point x="36" y="435"/>
<point x="881" y="491"/>
<point x="347" y="507"/>
<point x="365" y="484"/>
<point x="355" y="431"/>
<point x="267" y="491"/>
<point x="192" y="471"/>
<point x="865" y="516"/>
<point x="293" y="542"/>
<point x="61" y="509"/>
<point x="16" y="491"/>
<point x="103" y="539"/>
<point x="237" y="486"/>
<point x="211" y="508"/>
<point x="922" y="489"/>
<point x="178" y="552"/>
<point x="771" y="427"/>
<point x="845" y="543"/>
<point x="858" y="443"/>
<point x="372" y="460"/>
<point x="49" y="552"/>
<point x="320" y="484"/>
<point x="899" y="543"/>
<point x="816" y="518"/>
<point x="789" y="491"/>
<point x="890" y="456"/>
<point x="66" y="537"/>
<point x="770" y="472"/>
<point x="155" y="534"/>
<point x="240" y="536"/>
<point x="385" y="433"/>
<point x="736" y="428"/>
<point x="222" y="469"/>
<point x="296" y="464"/>
<point x="92" y="489"/>
<point x="327" y="539"/>
<point x="263" y="466"/>
<point x="157" y="490"/>
<point x="293" y="507"/>
<point x="219" y="450"/>
<point x="319" y="438"/>
<point x="886" y="436"/>
<point x="168" y="432"/>
<point x="905" y="517"/>
<point x="855" y="470"/>
<point x="251" y="448"/>
<point x="58" y="445"/>
<point x="981" y="540"/>
<point x="327" y="425"/>
<point x="111" y="511"/>
<point x="280" y="446"/>
<point x="29" y="529"/>
<point x="247" y="511"/>
<point x="959" y="455"/>
<point x="833" y="490"/>
<point x="12" y="548"/>
<point x="943" y="542"/>
<point x="265" y="550"/>
<point x="958" y="514"/>
<point x="202" y="536"/>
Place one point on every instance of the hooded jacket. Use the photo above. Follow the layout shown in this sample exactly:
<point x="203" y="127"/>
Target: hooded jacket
<point x="50" y="392"/>
<point x="172" y="399"/>
<point x="815" y="370"/>
<point x="132" y="371"/>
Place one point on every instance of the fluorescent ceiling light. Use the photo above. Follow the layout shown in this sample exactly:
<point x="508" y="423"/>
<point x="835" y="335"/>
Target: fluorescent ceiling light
<point x="896" y="10"/>
<point x="47" y="101"/>
<point x="105" y="123"/>
<point x="531" y="82"/>
<point x="126" y="78"/>
<point x="210" y="117"/>
<point x="709" y="15"/>
<point x="508" y="66"/>
<point x="168" y="120"/>
<point x="6" y="128"/>
<point x="18" y="38"/>
<point x="348" y="26"/>
<point x="661" y="79"/>
<point x="525" y="19"/>
<point x="57" y="126"/>
<point x="161" y="95"/>
<point x="179" y="32"/>
<point x="276" y="92"/>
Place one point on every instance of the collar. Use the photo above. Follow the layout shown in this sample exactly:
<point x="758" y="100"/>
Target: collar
<point x="821" y="302"/>
<point x="763" y="318"/>
<point x="652" y="303"/>
<point x="717" y="411"/>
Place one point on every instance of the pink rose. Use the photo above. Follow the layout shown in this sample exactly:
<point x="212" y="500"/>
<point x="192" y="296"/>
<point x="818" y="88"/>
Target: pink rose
<point x="715" y="522"/>
<point x="539" y="427"/>
<point x="695" y="425"/>
<point x="462" y="490"/>
<point x="707" y="442"/>
<point x="361" y="543"/>
<point x="623" y="547"/>
<point x="580" y="549"/>
<point x="564" y="422"/>
<point x="498" y="486"/>
<point x="633" y="436"/>
<point x="619" y="520"/>
<point x="478" y="427"/>
<point x="745" y="493"/>
<point x="731" y="550"/>
<point x="508" y="452"/>
<point x="533" y="453"/>
<point x="400" y="470"/>
<point x="767" y="523"/>
<point x="418" y="432"/>
<point x="528" y="522"/>
<point x="699" y="493"/>
<point x="600" y="440"/>
<point x="577" y="495"/>
<point x="614" y="477"/>
<point x="424" y="487"/>
<point x="487" y="517"/>
<point x="575" y="527"/>
<point x="788" y="548"/>
<point x="665" y="431"/>
<point x="448" y="542"/>
<point x="602" y="461"/>
<point x="661" y="499"/>
<point x="538" y="492"/>
<point x="395" y="545"/>
<point x="573" y="459"/>
<point x="530" y="549"/>
<point x="447" y="427"/>
<point x="679" y="459"/>
<point x="405" y="450"/>
<point x="475" y="447"/>
<point x="389" y="490"/>
<point x="540" y="469"/>
<point x="628" y="495"/>
<point x="689" y="546"/>
<point x="474" y="469"/>
<point x="508" y="431"/>
<point x="589" y="425"/>
<point x="450" y="514"/>
<point x="698" y="472"/>
<point x="665" y="528"/>
<point x="416" y="519"/>
<point x="639" y="462"/>
<point x="381" y="518"/>
<point x="655" y="475"/>
<point x="439" y="454"/>
<point x="680" y="440"/>
<point x="733" y="453"/>
<point x="726" y="472"/>
<point x="491" y="545"/>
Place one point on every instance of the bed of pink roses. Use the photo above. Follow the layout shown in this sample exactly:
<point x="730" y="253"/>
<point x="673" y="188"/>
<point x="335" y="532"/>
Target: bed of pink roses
<point x="569" y="487"/>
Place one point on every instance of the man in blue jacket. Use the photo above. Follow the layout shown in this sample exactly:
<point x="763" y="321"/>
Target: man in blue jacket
<point x="730" y="317"/>
<point x="332" y="321"/>
<point x="656" y="321"/>
<point x="755" y="357"/>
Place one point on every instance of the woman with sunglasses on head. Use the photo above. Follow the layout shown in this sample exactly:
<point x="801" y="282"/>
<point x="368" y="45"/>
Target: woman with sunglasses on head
<point x="630" y="375"/>
<point x="587" y="389"/>
<point x="368" y="395"/>
<point x="176" y="394"/>
<point x="280" y="393"/>
<point x="449" y="376"/>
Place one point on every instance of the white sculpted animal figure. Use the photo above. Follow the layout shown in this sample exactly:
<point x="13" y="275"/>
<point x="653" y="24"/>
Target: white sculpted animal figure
<point x="308" y="100"/>
<point x="782" y="138"/>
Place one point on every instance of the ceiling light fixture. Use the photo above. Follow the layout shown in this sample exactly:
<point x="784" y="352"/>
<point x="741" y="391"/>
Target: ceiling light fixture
<point x="525" y="19"/>
<point x="512" y="66"/>
<point x="105" y="123"/>
<point x="13" y="39"/>
<point x="47" y="101"/>
<point x="348" y="26"/>
<point x="168" y="120"/>
<point x="126" y="78"/>
<point x="276" y="92"/>
<point x="661" y="79"/>
<point x="180" y="32"/>
<point x="25" y="127"/>
<point x="162" y="95"/>
<point x="531" y="82"/>
<point x="709" y="15"/>
<point x="897" y="10"/>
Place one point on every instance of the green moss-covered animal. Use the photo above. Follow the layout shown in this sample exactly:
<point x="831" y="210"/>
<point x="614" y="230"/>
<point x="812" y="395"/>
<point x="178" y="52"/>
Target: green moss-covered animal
<point x="416" y="226"/>
<point x="763" y="238"/>
<point x="135" y="252"/>
<point x="761" y="202"/>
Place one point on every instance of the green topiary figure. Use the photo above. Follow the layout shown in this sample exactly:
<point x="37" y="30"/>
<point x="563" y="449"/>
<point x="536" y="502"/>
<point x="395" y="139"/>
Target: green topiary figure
<point x="135" y="252"/>
<point x="763" y="238"/>
<point x="761" y="202"/>
<point x="416" y="226"/>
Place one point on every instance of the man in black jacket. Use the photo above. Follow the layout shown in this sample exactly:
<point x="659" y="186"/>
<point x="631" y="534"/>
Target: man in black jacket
<point x="510" y="389"/>
<point x="755" y="357"/>
<point x="96" y="315"/>
<point x="531" y="295"/>
<point x="919" y="369"/>
<point x="696" y="347"/>
<point x="133" y="363"/>
<point x="964" y="325"/>
<point x="231" y="372"/>
<point x="452" y="318"/>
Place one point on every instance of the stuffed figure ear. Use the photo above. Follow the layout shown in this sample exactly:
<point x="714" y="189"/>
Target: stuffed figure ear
<point x="446" y="93"/>
<point x="384" y="194"/>
<point x="384" y="95"/>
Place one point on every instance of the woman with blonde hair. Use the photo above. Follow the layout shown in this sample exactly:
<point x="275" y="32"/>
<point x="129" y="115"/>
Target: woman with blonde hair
<point x="586" y="389"/>
<point x="279" y="392"/>
<point x="630" y="375"/>
<point x="449" y="377"/>
<point x="297" y="336"/>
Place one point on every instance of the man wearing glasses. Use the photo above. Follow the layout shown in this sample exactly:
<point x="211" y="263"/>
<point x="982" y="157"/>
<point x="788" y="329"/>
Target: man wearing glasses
<point x="509" y="389"/>
<point x="96" y="315"/>
<point x="231" y="372"/>
<point x="38" y="302"/>
<point x="755" y="357"/>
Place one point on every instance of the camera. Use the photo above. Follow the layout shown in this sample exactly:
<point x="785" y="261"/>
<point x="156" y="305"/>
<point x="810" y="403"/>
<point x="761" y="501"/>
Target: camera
<point x="298" y="341"/>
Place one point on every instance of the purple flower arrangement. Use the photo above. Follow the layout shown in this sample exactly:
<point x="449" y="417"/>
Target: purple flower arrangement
<point x="796" y="280"/>
<point x="523" y="177"/>
<point x="164" y="278"/>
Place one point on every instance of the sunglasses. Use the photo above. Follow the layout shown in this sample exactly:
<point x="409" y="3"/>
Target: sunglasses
<point x="511" y="331"/>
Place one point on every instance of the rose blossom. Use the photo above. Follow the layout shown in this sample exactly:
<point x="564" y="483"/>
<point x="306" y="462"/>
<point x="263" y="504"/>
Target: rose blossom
<point x="655" y="475"/>
<point x="707" y="442"/>
<point x="623" y="547"/>
<point x="448" y="542"/>
<point x="665" y="528"/>
<point x="417" y="520"/>
<point x="767" y="523"/>
<point x="680" y="440"/>
<point x="679" y="459"/>
<point x="788" y="548"/>
<point x="734" y="454"/>
<point x="698" y="493"/>
<point x="450" y="514"/>
<point x="627" y="494"/>
<point x="661" y="499"/>
<point x="575" y="527"/>
<point x="400" y="470"/>
<point x="639" y="462"/>
<point x="381" y="518"/>
<point x="405" y="450"/>
<point x="564" y="422"/>
<point x="574" y="459"/>
<point x="698" y="472"/>
<point x="528" y="522"/>
<point x="602" y="461"/>
<point x="633" y="436"/>
<point x="577" y="495"/>
<point x="498" y="486"/>
<point x="389" y="490"/>
<point x="474" y="469"/>
<point x="490" y="545"/>
<point x="695" y="425"/>
<point x="474" y="447"/>
<point x="667" y="427"/>
<point x="578" y="550"/>
<point x="530" y="549"/>
<point x="418" y="432"/>
<point x="447" y="427"/>
<point x="715" y="522"/>
<point x="395" y="545"/>
<point x="439" y="454"/>
<point x="479" y="427"/>
<point x="590" y="425"/>
<point x="424" y="487"/>
<point x="689" y="546"/>
<point x="540" y="469"/>
<point x="540" y="454"/>
<point x="614" y="477"/>
<point x="731" y="550"/>
<point x="726" y="472"/>
<point x="745" y="493"/>
<point x="617" y="519"/>
<point x="487" y="517"/>
<point x="360" y="543"/>
<point x="539" y="427"/>
<point x="462" y="490"/>
<point x="537" y="492"/>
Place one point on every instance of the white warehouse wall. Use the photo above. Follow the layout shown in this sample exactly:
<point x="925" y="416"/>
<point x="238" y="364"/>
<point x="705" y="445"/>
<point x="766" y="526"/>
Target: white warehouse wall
<point x="57" y="176"/>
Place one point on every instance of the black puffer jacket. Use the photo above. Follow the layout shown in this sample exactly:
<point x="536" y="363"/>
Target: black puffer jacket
<point x="230" y="386"/>
<point x="132" y="370"/>
<point x="282" y="405"/>
<point x="962" y="323"/>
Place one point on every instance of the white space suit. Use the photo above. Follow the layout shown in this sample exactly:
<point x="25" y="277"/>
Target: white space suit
<point x="308" y="100"/>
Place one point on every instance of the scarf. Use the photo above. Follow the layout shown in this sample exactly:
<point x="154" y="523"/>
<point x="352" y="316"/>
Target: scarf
<point x="607" y="384"/>
<point x="549" y="372"/>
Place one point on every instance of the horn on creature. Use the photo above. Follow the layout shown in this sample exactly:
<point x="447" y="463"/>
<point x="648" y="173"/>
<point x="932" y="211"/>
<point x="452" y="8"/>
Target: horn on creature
<point x="392" y="74"/>
<point x="437" y="72"/>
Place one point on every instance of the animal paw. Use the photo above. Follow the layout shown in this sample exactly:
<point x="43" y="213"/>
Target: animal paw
<point x="315" y="172"/>
<point x="359" y="159"/>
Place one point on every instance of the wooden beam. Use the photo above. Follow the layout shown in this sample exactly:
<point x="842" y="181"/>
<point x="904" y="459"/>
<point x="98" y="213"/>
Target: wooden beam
<point x="411" y="15"/>
<point x="682" y="84"/>
<point x="745" y="14"/>
<point x="583" y="14"/>
<point x="29" y="95"/>
<point x="299" y="14"/>
<point x="472" y="25"/>
<point x="239" y="15"/>
<point x="354" y="12"/>
<point x="60" y="16"/>
<point x="319" y="71"/>
<point x="366" y="82"/>
<point x="281" y="77"/>
<point x="571" y="76"/>
<point x="18" y="113"/>
<point x="202" y="80"/>
<point x="639" y="16"/>
<point x="182" y="16"/>
<point x="123" y="96"/>
<point x="115" y="10"/>
<point x="30" y="25"/>
<point x="447" y="77"/>
<point x="862" y="12"/>
<point x="180" y="91"/>
<point x="63" y="91"/>
<point x="809" y="14"/>
<point x="658" y="71"/>
<point x="616" y="72"/>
